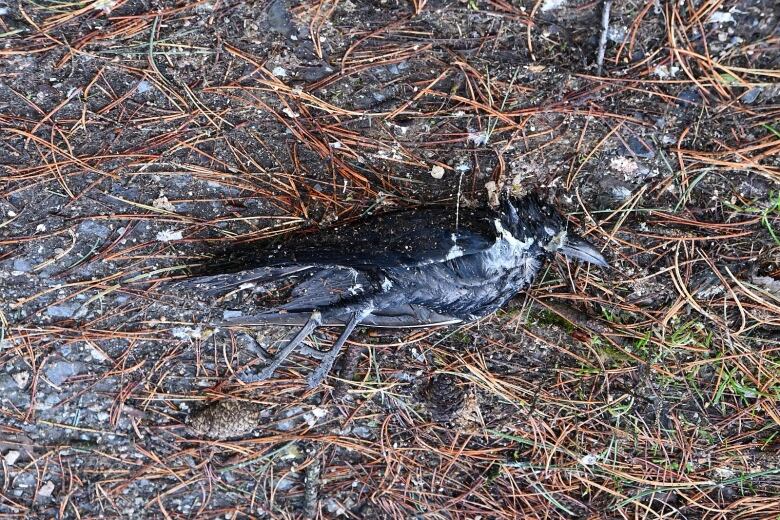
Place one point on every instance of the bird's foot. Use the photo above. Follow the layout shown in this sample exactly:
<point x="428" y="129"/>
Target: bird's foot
<point x="248" y="377"/>
<point x="326" y="358"/>
<point x="321" y="372"/>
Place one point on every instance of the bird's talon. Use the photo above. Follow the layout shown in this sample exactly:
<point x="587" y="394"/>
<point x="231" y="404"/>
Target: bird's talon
<point x="249" y="377"/>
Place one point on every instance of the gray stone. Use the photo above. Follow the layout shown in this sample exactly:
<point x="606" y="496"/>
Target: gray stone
<point x="65" y="310"/>
<point x="638" y="147"/>
<point x="91" y="227"/>
<point x="22" y="265"/>
<point x="59" y="371"/>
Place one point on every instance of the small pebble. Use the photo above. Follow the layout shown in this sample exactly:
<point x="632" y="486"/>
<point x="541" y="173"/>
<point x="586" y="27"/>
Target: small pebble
<point x="751" y="95"/>
<point x="168" y="235"/>
<point x="144" y="86"/>
<point x="229" y="314"/>
<point x="21" y="379"/>
<point x="11" y="457"/>
<point x="65" y="310"/>
<point x="22" y="265"/>
<point x="46" y="489"/>
<point x="589" y="460"/>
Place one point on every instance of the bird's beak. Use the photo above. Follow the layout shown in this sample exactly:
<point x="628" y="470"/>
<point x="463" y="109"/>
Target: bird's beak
<point x="576" y="247"/>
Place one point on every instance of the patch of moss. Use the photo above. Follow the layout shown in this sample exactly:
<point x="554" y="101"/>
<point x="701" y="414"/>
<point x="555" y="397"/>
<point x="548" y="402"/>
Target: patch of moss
<point x="546" y="317"/>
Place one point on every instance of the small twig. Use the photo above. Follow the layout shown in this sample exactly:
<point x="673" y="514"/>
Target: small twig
<point x="311" y="487"/>
<point x="604" y="30"/>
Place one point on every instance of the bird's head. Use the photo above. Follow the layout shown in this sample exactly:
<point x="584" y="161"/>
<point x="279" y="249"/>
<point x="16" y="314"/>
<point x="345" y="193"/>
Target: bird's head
<point x="529" y="217"/>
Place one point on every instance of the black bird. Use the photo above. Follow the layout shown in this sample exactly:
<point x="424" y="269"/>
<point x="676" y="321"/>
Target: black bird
<point x="412" y="268"/>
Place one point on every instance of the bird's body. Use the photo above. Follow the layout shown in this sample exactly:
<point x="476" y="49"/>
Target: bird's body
<point x="423" y="267"/>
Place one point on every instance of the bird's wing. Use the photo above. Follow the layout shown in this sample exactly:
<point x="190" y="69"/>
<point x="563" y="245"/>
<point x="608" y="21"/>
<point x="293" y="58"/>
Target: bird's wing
<point x="397" y="239"/>
<point x="331" y="287"/>
<point x="404" y="238"/>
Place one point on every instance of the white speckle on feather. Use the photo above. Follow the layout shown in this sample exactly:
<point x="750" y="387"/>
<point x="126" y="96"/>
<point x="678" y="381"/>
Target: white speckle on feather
<point x="355" y="290"/>
<point x="279" y="72"/>
<point x="556" y="242"/>
<point x="455" y="251"/>
<point x="387" y="284"/>
<point x="530" y="266"/>
<point x="517" y="246"/>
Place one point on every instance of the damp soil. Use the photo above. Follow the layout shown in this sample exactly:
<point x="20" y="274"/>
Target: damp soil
<point x="140" y="139"/>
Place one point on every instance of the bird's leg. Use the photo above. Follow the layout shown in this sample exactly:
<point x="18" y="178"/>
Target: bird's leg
<point x="311" y="352"/>
<point x="325" y="366"/>
<point x="314" y="321"/>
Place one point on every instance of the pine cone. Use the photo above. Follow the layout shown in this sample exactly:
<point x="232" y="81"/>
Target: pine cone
<point x="225" y="419"/>
<point x="446" y="396"/>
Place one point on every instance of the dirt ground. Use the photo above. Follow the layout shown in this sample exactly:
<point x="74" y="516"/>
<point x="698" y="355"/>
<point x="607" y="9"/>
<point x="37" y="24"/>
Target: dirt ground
<point x="138" y="137"/>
